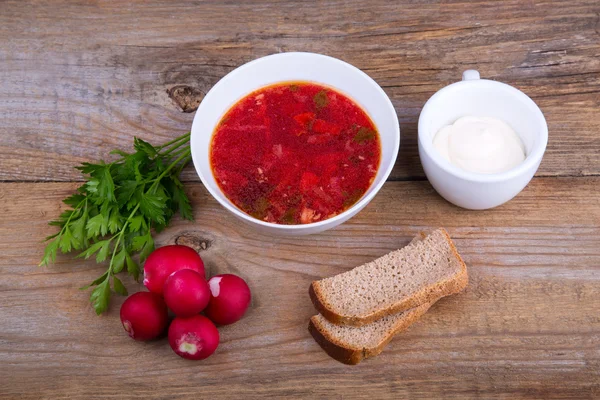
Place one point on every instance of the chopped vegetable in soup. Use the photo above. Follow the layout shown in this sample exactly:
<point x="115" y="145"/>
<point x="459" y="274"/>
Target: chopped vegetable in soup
<point x="295" y="153"/>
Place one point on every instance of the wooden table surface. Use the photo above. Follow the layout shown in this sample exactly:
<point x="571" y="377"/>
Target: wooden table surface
<point x="79" y="78"/>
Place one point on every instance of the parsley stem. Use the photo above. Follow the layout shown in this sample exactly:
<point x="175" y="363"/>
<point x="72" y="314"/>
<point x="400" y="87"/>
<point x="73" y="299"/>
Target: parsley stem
<point x="121" y="233"/>
<point x="184" y="163"/>
<point x="178" y="152"/>
<point x="187" y="135"/>
<point x="174" y="151"/>
<point x="183" y="139"/>
<point x="169" y="168"/>
<point x="176" y="145"/>
<point x="66" y="225"/>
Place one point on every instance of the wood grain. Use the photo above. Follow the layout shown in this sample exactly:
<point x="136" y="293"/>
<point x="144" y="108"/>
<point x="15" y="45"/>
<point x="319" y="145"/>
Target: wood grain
<point x="526" y="327"/>
<point x="81" y="78"/>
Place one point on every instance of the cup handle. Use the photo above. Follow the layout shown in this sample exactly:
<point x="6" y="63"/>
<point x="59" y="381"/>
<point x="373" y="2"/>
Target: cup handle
<point x="470" y="75"/>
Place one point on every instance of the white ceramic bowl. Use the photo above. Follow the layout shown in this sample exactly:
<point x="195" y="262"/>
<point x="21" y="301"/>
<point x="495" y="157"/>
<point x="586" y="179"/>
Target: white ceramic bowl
<point x="482" y="98"/>
<point x="283" y="67"/>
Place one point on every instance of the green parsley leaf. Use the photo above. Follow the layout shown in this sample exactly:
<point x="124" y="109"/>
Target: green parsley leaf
<point x="92" y="186"/>
<point x="65" y="240"/>
<point x="119" y="288"/>
<point x="147" y="249"/>
<point x="103" y="252"/>
<point x="125" y="191"/>
<point x="152" y="207"/>
<point x="143" y="146"/>
<point x="74" y="200"/>
<point x="179" y="199"/>
<point x="119" y="153"/>
<point x="143" y="244"/>
<point x="79" y="233"/>
<point x="67" y="215"/>
<point x="139" y="242"/>
<point x="87" y="253"/>
<point x="119" y="261"/>
<point x="94" y="226"/>
<point x="132" y="268"/>
<point x="135" y="199"/>
<point x="106" y="186"/>
<point x="51" y="236"/>
<point x="50" y="252"/>
<point x="135" y="224"/>
<point x="114" y="220"/>
<point x="88" y="168"/>
<point x="136" y="172"/>
<point x="96" y="282"/>
<point x="100" y="296"/>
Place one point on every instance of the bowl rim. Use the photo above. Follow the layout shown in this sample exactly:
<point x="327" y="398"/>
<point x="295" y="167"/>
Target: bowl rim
<point x="532" y="159"/>
<point x="339" y="218"/>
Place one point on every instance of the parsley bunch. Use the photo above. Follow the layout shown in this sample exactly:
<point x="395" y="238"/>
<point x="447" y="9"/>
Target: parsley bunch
<point x="113" y="213"/>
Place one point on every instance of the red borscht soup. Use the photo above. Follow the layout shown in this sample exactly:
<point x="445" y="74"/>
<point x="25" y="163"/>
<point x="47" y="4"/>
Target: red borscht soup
<point x="295" y="153"/>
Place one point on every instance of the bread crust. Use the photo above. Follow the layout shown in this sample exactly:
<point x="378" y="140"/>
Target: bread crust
<point x="352" y="356"/>
<point x="429" y="294"/>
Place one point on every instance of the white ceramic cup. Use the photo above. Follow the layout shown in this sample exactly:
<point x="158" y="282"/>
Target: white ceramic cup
<point x="284" y="67"/>
<point x="482" y="98"/>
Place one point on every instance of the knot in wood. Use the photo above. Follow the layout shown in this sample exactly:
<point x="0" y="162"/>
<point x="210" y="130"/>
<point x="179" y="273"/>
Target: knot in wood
<point x="191" y="240"/>
<point x="186" y="97"/>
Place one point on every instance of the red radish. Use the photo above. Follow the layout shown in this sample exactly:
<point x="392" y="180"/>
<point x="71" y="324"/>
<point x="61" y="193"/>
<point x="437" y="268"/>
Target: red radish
<point x="229" y="299"/>
<point x="194" y="338"/>
<point x="186" y="292"/>
<point x="165" y="260"/>
<point x="144" y="315"/>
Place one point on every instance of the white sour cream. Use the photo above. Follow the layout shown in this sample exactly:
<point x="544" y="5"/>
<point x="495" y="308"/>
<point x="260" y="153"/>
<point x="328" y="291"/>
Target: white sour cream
<point x="483" y="145"/>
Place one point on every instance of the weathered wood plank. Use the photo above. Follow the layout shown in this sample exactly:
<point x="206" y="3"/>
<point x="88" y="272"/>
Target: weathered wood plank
<point x="79" y="79"/>
<point x="527" y="326"/>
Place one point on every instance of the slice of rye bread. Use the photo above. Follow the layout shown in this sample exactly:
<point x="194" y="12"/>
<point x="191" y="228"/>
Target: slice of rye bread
<point x="351" y="344"/>
<point x="419" y="273"/>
